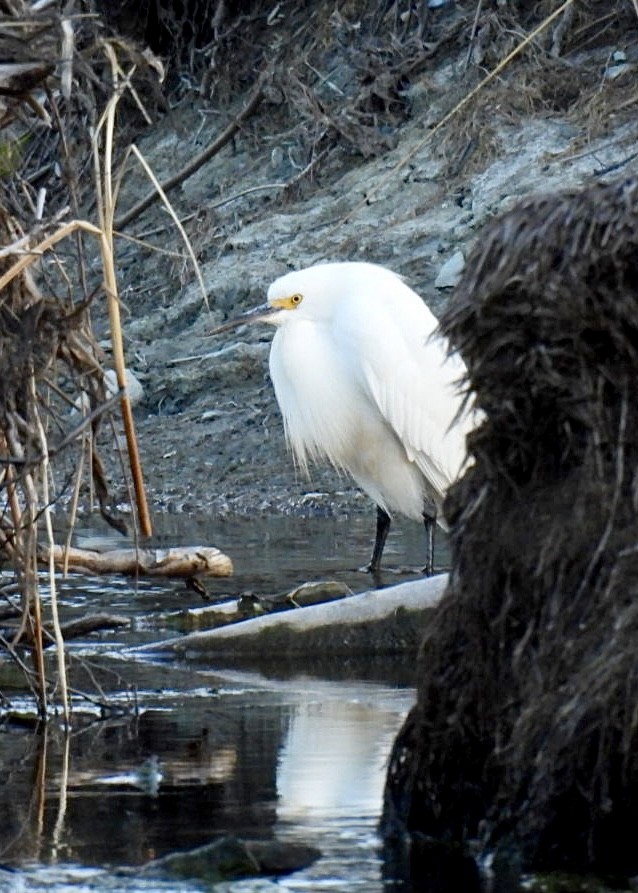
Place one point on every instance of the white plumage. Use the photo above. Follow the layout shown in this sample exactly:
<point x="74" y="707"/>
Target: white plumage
<point x="363" y="380"/>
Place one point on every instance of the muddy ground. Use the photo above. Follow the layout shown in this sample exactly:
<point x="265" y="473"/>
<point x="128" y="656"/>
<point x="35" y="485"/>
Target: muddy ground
<point x="209" y="429"/>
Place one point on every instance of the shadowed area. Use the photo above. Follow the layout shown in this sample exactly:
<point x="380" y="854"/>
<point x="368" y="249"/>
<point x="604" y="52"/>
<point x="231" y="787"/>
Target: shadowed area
<point x="525" y="732"/>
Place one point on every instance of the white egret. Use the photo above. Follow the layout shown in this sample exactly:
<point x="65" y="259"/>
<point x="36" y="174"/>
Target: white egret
<point x="363" y="380"/>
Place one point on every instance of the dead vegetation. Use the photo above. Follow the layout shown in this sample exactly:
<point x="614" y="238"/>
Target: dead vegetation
<point x="525" y="735"/>
<point x="56" y="131"/>
<point x="344" y="75"/>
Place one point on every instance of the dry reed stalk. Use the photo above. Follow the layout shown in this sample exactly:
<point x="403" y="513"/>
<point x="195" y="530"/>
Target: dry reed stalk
<point x="59" y="639"/>
<point x="106" y="211"/>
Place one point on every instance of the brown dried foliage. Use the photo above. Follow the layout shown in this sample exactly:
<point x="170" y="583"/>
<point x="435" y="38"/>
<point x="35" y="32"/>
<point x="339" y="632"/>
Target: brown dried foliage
<point x="55" y="80"/>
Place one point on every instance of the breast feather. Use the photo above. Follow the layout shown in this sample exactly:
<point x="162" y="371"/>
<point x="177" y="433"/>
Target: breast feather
<point x="314" y="396"/>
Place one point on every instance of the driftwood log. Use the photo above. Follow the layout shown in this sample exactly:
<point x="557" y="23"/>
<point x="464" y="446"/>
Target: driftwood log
<point x="366" y="625"/>
<point x="524" y="739"/>
<point x="189" y="561"/>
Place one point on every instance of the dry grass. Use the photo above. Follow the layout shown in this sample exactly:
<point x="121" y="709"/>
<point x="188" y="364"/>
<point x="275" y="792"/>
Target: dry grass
<point x="62" y="82"/>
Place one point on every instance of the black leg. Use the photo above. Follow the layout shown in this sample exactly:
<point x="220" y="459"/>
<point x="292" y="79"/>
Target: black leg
<point x="383" y="526"/>
<point x="430" y="524"/>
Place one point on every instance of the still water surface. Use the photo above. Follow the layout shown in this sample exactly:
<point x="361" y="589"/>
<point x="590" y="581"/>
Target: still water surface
<point x="285" y="752"/>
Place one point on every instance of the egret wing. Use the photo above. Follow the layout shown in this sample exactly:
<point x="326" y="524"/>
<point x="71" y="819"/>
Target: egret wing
<point x="404" y="367"/>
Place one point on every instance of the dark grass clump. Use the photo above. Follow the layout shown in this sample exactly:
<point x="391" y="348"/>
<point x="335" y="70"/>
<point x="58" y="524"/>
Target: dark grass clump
<point x="525" y="735"/>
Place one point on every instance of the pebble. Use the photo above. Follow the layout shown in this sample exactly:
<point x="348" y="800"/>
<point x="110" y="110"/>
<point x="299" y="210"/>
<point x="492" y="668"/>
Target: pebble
<point x="450" y="272"/>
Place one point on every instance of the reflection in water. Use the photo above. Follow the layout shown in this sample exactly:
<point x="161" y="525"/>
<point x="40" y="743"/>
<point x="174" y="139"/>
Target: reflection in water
<point x="333" y="759"/>
<point x="147" y="778"/>
<point x="301" y="760"/>
<point x="298" y="758"/>
<point x="330" y="780"/>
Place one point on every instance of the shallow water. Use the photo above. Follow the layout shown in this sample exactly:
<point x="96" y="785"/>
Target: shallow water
<point x="182" y="753"/>
<point x="299" y="760"/>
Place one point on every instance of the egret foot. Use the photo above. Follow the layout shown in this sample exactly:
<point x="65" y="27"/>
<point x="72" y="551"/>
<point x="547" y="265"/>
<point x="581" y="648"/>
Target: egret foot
<point x="377" y="576"/>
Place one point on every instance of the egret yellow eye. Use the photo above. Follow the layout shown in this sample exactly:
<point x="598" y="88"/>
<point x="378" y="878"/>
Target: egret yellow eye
<point x="296" y="299"/>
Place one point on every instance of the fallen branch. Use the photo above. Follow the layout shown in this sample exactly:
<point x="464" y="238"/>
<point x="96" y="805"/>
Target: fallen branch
<point x="91" y="623"/>
<point x="212" y="149"/>
<point x="186" y="562"/>
<point x="74" y="629"/>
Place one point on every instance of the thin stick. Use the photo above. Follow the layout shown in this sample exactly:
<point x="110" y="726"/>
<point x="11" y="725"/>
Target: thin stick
<point x="57" y="632"/>
<point x="33" y="599"/>
<point x="75" y="499"/>
<point x="251" y="105"/>
<point x="477" y="15"/>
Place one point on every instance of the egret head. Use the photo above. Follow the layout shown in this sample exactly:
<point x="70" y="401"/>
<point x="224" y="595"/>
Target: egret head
<point x="308" y="294"/>
<point x="311" y="294"/>
<point x="283" y="302"/>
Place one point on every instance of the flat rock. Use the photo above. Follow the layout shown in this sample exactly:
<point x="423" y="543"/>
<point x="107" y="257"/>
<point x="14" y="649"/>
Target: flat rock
<point x="230" y="857"/>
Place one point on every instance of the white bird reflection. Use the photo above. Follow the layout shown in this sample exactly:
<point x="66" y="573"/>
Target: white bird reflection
<point x="334" y="758"/>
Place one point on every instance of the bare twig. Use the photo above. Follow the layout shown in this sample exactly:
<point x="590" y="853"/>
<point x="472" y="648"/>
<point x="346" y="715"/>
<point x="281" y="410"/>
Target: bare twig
<point x="470" y="48"/>
<point x="160" y="192"/>
<point x="209" y="152"/>
<point x="308" y="169"/>
<point x="59" y="639"/>
<point x="237" y="195"/>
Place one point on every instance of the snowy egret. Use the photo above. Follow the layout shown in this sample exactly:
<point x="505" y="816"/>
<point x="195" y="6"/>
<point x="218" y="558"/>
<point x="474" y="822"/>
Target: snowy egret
<point x="363" y="380"/>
